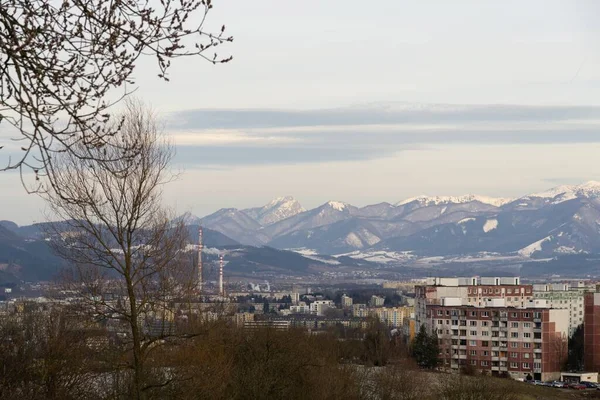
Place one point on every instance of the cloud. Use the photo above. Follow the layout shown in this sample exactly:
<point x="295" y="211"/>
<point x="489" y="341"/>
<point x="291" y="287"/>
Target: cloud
<point x="258" y="137"/>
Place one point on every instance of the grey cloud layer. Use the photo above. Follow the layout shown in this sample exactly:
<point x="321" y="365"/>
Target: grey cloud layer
<point x="350" y="134"/>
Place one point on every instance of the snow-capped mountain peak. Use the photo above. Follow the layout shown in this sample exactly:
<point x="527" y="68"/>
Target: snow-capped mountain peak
<point x="437" y="200"/>
<point x="337" y="205"/>
<point x="563" y="193"/>
<point x="276" y="210"/>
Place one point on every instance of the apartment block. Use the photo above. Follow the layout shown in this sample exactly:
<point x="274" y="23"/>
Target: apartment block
<point x="502" y="340"/>
<point x="493" y="324"/>
<point x="591" y="331"/>
<point x="393" y="317"/>
<point x="475" y="292"/>
<point x="377" y="301"/>
<point x="319" y="307"/>
<point x="346" y="301"/>
<point x="567" y="296"/>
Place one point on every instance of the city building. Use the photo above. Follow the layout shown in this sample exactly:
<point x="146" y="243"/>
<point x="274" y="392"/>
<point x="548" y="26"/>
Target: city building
<point x="564" y="296"/>
<point x="493" y="324"/>
<point x="476" y="292"/>
<point x="346" y="301"/>
<point x="377" y="301"/>
<point x="520" y="342"/>
<point x="360" y="310"/>
<point x="591" y="330"/>
<point x="392" y="316"/>
<point x="301" y="308"/>
<point x="319" y="307"/>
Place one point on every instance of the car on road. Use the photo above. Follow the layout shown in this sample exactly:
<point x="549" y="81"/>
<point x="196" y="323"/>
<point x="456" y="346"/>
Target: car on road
<point x="558" y="384"/>
<point x="589" y="385"/>
<point x="577" y="386"/>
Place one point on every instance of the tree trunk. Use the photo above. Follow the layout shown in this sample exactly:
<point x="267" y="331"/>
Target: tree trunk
<point x="138" y="361"/>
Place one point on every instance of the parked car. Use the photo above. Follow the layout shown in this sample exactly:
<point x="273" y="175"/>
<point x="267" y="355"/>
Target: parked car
<point x="549" y="383"/>
<point x="536" y="382"/>
<point x="590" y="385"/>
<point x="577" y="386"/>
<point x="558" y="384"/>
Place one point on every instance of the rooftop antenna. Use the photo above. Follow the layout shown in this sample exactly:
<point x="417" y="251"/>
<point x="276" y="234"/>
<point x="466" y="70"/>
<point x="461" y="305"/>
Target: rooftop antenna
<point x="221" y="292"/>
<point x="200" y="247"/>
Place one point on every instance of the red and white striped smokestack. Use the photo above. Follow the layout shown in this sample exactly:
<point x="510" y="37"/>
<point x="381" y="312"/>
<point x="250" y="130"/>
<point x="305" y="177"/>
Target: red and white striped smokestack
<point x="221" y="292"/>
<point x="200" y="246"/>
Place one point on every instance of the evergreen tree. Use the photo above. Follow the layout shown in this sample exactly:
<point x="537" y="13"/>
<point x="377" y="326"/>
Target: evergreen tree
<point x="426" y="349"/>
<point x="433" y="350"/>
<point x="575" y="357"/>
<point x="419" y="350"/>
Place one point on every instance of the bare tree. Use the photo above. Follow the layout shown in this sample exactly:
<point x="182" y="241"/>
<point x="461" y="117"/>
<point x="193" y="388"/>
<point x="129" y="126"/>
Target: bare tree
<point x="120" y="241"/>
<point x="62" y="61"/>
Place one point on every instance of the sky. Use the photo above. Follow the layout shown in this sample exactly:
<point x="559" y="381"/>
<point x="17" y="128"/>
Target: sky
<point x="365" y="102"/>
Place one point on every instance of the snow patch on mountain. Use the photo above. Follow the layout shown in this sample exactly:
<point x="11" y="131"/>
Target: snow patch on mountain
<point x="527" y="251"/>
<point x="337" y="205"/>
<point x="490" y="225"/>
<point x="437" y="200"/>
<point x="380" y="256"/>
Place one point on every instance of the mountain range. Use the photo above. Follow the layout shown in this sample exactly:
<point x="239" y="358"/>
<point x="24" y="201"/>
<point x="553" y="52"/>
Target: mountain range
<point x="562" y="220"/>
<point x="283" y="238"/>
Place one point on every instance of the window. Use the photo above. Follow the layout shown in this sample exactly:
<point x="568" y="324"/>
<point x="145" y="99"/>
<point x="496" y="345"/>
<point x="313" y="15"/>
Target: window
<point x="454" y="322"/>
<point x="526" y="334"/>
<point x="440" y="312"/>
<point x="473" y="362"/>
<point x="486" y="353"/>
<point x="514" y="344"/>
<point x="472" y="323"/>
<point x="509" y="291"/>
<point x="440" y="321"/>
<point x="538" y="314"/>
<point x="485" y="333"/>
<point x="485" y="314"/>
<point x="484" y="363"/>
<point x="484" y="323"/>
<point x="473" y="343"/>
<point x="525" y="315"/>
<point x="526" y="355"/>
<point x="526" y="324"/>
<point x="514" y="365"/>
<point x="473" y="352"/>
<point x="516" y="299"/>
<point x="526" y="365"/>
<point x="514" y="355"/>
<point x="485" y="343"/>
<point x="515" y="324"/>
<point x="495" y="354"/>
<point x="473" y="333"/>
<point x="526" y="345"/>
<point x="514" y="335"/>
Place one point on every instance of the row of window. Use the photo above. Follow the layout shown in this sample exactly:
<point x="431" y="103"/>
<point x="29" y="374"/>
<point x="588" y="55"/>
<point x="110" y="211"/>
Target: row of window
<point x="497" y="290"/>
<point x="512" y="364"/>
<point x="502" y="314"/>
<point x="486" y="343"/>
<point x="474" y="299"/>
<point x="483" y="323"/>
<point x="486" y="353"/>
